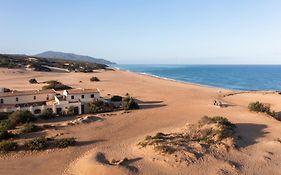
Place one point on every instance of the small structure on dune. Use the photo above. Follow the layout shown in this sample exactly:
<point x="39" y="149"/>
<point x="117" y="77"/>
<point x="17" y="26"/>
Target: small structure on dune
<point x="220" y="103"/>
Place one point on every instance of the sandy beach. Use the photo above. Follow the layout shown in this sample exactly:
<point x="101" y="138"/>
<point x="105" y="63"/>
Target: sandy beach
<point x="166" y="106"/>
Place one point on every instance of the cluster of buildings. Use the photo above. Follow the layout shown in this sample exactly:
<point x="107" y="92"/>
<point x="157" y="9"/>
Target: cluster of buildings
<point x="36" y="101"/>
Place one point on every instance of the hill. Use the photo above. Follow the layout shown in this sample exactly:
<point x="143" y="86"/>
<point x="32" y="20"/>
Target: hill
<point x="72" y="56"/>
<point x="45" y="64"/>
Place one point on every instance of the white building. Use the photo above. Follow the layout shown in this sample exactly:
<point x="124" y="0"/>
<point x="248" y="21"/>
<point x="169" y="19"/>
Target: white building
<point x="83" y="96"/>
<point x="36" y="101"/>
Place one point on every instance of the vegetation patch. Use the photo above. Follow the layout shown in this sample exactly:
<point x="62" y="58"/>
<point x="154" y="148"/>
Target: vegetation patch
<point x="5" y="134"/>
<point x="56" y="85"/>
<point x="71" y="111"/>
<point x="37" y="143"/>
<point x="128" y="103"/>
<point x="65" y="142"/>
<point x="264" y="108"/>
<point x="47" y="114"/>
<point x="33" y="81"/>
<point x="116" y="98"/>
<point x="4" y="115"/>
<point x="94" y="79"/>
<point x="21" y="117"/>
<point x="208" y="134"/>
<point x="29" y="127"/>
<point x="100" y="106"/>
<point x="8" y="146"/>
<point x="6" y="125"/>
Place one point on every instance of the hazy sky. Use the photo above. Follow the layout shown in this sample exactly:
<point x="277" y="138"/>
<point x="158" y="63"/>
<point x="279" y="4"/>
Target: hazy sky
<point x="146" y="31"/>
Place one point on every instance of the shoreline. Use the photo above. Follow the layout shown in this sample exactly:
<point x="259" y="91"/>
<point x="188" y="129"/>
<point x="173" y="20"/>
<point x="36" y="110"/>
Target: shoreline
<point x="174" y="80"/>
<point x="191" y="83"/>
<point x="188" y="82"/>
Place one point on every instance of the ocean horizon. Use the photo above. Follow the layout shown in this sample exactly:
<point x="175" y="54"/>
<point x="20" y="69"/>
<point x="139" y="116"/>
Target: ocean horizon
<point x="235" y="77"/>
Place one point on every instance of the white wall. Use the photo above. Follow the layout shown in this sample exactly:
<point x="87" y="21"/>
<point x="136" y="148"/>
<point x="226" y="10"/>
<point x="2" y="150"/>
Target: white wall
<point x="27" y="98"/>
<point x="87" y="97"/>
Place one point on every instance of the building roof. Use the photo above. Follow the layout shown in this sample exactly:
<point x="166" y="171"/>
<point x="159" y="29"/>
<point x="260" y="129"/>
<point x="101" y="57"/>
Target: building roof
<point x="27" y="92"/>
<point x="82" y="91"/>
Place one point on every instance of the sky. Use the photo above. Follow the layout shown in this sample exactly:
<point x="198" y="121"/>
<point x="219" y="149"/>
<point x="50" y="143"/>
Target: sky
<point x="146" y="31"/>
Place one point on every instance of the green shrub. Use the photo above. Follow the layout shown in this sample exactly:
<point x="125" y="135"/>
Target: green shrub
<point x="21" y="117"/>
<point x="47" y="114"/>
<point x="94" y="79"/>
<point x="29" y="127"/>
<point x="8" y="146"/>
<point x="4" y="134"/>
<point x="33" y="81"/>
<point x="259" y="107"/>
<point x="65" y="142"/>
<point x="216" y="119"/>
<point x="4" y="115"/>
<point x="56" y="85"/>
<point x="71" y="111"/>
<point x="116" y="98"/>
<point x="100" y="106"/>
<point x="6" y="125"/>
<point x="129" y="103"/>
<point x="37" y="143"/>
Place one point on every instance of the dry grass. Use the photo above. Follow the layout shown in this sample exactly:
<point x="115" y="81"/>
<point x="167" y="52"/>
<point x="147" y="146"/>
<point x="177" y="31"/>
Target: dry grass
<point x="208" y="133"/>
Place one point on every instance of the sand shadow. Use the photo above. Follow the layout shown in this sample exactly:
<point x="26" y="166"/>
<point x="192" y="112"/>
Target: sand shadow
<point x="56" y="119"/>
<point x="89" y="142"/>
<point x="125" y="163"/>
<point x="150" y="104"/>
<point x="249" y="133"/>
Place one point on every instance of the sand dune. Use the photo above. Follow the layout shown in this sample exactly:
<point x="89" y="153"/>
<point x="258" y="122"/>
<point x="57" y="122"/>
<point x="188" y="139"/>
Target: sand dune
<point x="166" y="107"/>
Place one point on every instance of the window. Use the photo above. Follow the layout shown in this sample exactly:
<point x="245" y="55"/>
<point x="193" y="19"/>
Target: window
<point x="34" y="97"/>
<point x="37" y="111"/>
<point x="92" y="95"/>
<point x="82" y="96"/>
<point x="2" y="101"/>
<point x="17" y="99"/>
<point x="72" y="97"/>
<point x="47" y="97"/>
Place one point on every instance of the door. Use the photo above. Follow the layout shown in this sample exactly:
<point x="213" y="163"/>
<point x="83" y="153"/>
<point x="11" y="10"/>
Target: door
<point x="82" y="109"/>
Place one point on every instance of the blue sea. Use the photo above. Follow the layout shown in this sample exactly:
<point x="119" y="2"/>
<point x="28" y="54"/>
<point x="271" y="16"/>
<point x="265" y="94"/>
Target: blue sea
<point x="236" y="77"/>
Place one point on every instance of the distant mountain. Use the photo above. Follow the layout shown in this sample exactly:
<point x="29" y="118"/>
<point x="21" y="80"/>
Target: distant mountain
<point x="72" y="56"/>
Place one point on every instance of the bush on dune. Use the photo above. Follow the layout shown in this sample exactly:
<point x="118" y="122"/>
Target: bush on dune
<point x="37" y="143"/>
<point x="5" y="134"/>
<point x="71" y="111"/>
<point x="65" y="142"/>
<point x="7" y="146"/>
<point x="29" y="127"/>
<point x="56" y="85"/>
<point x="212" y="132"/>
<point x="129" y="103"/>
<point x="47" y="114"/>
<point x="6" y="125"/>
<point x="4" y="115"/>
<point x="261" y="107"/>
<point x="94" y="79"/>
<point x="33" y="81"/>
<point x="100" y="106"/>
<point x="21" y="117"/>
